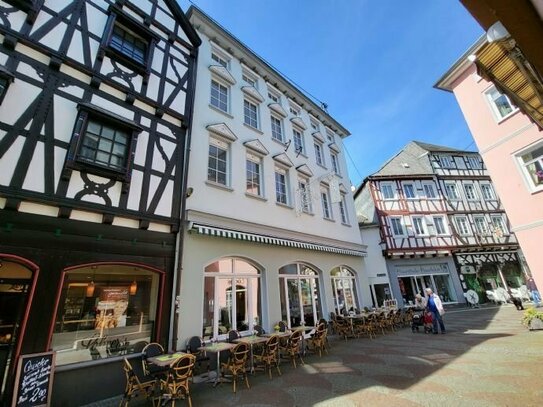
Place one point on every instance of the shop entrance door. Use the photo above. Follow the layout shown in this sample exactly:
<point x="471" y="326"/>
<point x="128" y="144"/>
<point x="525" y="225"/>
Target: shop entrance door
<point x="15" y="283"/>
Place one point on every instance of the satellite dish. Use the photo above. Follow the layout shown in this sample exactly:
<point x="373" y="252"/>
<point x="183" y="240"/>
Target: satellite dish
<point x="472" y="297"/>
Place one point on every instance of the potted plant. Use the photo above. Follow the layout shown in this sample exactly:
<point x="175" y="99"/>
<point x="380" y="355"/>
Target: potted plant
<point x="276" y="328"/>
<point x="533" y="319"/>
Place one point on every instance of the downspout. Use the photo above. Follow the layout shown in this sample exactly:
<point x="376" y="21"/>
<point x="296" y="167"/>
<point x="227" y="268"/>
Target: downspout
<point x="178" y="267"/>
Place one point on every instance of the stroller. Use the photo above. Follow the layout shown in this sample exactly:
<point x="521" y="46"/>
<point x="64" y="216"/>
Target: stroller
<point x="417" y="321"/>
<point x="420" y="319"/>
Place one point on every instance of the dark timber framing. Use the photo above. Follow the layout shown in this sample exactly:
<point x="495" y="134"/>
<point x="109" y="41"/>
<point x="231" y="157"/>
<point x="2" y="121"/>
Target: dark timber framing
<point x="58" y="213"/>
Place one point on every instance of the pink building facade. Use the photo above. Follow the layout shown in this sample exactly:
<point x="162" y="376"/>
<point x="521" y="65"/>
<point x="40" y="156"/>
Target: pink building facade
<point x="511" y="145"/>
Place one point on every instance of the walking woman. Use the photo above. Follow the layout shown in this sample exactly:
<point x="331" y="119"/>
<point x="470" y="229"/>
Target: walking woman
<point x="435" y="306"/>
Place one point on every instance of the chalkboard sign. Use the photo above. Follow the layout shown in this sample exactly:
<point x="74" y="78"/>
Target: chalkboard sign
<point x="34" y="380"/>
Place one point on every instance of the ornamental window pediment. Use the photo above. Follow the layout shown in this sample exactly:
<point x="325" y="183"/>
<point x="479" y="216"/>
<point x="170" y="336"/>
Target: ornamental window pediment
<point x="223" y="73"/>
<point x="257" y="146"/>
<point x="253" y="93"/>
<point x="277" y="108"/>
<point x="222" y="130"/>
<point x="283" y="159"/>
<point x="298" y="122"/>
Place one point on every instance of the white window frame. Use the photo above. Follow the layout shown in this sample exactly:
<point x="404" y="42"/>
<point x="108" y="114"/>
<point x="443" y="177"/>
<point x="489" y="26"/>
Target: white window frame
<point x="249" y="78"/>
<point x="219" y="58"/>
<point x="385" y="196"/>
<point x="474" y="162"/>
<point x="319" y="153"/>
<point x="274" y="128"/>
<point x="431" y="186"/>
<point x="472" y="194"/>
<point x="283" y="172"/>
<point x="294" y="109"/>
<point x="400" y="224"/>
<point x="490" y="194"/>
<point x="446" y="161"/>
<point x="248" y="119"/>
<point x="413" y="190"/>
<point x="258" y="161"/>
<point x="419" y="226"/>
<point x="444" y="226"/>
<point x="481" y="225"/>
<point x="335" y="163"/>
<point x="224" y="146"/>
<point x="523" y="166"/>
<point x="463" y="220"/>
<point x="326" y="203"/>
<point x="223" y="85"/>
<point x="491" y="100"/>
<point x="298" y="138"/>
<point x="274" y="96"/>
<point x="502" y="224"/>
<point x="330" y="135"/>
<point x="303" y="184"/>
<point x="343" y="210"/>
<point x="314" y="125"/>
<point x="454" y="187"/>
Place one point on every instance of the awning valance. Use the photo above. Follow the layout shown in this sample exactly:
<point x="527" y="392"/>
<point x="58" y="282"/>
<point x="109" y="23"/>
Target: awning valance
<point x="503" y="63"/>
<point x="271" y="240"/>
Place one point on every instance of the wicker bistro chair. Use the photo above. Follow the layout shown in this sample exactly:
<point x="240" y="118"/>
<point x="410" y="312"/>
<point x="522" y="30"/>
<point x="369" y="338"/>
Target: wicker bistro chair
<point x="343" y="328"/>
<point x="269" y="355"/>
<point x="151" y="350"/>
<point x="317" y="343"/>
<point x="202" y="364"/>
<point x="176" y="385"/>
<point x="236" y="365"/>
<point x="362" y="326"/>
<point x="291" y="349"/>
<point x="136" y="387"/>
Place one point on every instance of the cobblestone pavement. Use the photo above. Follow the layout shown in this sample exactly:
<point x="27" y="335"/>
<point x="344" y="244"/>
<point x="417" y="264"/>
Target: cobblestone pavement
<point x="487" y="358"/>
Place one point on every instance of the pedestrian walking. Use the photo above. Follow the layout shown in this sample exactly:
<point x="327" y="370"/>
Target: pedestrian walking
<point x="536" y="297"/>
<point x="435" y="306"/>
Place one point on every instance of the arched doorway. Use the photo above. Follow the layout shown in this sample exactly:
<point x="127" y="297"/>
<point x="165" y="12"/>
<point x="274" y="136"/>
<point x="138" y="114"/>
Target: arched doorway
<point x="344" y="290"/>
<point x="232" y="297"/>
<point x="300" y="295"/>
<point x="17" y="278"/>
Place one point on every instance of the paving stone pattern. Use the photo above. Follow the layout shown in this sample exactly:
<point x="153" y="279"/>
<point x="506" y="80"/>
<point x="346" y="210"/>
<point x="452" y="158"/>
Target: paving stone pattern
<point x="486" y="358"/>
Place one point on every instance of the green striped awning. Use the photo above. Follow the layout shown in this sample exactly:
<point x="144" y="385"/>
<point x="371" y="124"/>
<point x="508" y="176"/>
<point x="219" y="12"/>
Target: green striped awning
<point x="271" y="240"/>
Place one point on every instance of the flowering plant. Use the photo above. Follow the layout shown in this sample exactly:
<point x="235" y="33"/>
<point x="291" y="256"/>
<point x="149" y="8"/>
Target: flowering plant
<point x="276" y="327"/>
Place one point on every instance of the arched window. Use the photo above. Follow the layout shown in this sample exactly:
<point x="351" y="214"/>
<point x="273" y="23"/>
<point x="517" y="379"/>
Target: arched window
<point x="300" y="297"/>
<point x="232" y="292"/>
<point x="343" y="284"/>
<point x="105" y="310"/>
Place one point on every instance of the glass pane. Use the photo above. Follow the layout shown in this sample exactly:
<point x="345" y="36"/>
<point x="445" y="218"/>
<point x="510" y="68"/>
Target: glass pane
<point x="224" y="302"/>
<point x="93" y="127"/>
<point x="105" y="145"/>
<point x="104" y="312"/>
<point x="444" y="288"/>
<point x="294" y="302"/>
<point x="242" y="312"/>
<point x="108" y="133"/>
<point x="209" y="292"/>
<point x="102" y="157"/>
<point x="242" y="267"/>
<point x="119" y="149"/>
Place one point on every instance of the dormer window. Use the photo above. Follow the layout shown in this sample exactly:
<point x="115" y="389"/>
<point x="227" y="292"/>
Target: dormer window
<point x="445" y="161"/>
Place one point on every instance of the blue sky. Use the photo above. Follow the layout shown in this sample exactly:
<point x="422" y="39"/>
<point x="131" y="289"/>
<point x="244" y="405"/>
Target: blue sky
<point x="374" y="62"/>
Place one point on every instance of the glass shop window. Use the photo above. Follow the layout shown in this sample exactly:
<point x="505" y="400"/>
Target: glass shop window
<point x="105" y="311"/>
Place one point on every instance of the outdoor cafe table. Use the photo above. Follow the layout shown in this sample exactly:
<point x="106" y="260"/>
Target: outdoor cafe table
<point x="166" y="360"/>
<point x="251" y="340"/>
<point x="217" y="348"/>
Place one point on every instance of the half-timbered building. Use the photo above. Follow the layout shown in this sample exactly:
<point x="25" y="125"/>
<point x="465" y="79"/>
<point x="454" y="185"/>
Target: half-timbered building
<point x="442" y="224"/>
<point x="96" y="101"/>
<point x="272" y="232"/>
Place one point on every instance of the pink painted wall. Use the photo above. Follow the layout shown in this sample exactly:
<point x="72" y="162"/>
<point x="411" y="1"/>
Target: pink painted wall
<point x="498" y="142"/>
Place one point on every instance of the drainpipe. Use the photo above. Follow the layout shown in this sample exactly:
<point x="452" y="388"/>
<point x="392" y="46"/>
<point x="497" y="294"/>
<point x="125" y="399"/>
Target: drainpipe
<point x="178" y="267"/>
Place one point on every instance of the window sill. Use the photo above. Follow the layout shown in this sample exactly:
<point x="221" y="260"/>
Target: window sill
<point x="257" y="197"/>
<point x="219" y="186"/>
<point x="322" y="166"/>
<point x="253" y="128"/>
<point x="286" y="206"/>
<point x="329" y="220"/>
<point x="220" y="111"/>
<point x="281" y="143"/>
<point x="307" y="213"/>
<point x="504" y="118"/>
<point x="346" y="224"/>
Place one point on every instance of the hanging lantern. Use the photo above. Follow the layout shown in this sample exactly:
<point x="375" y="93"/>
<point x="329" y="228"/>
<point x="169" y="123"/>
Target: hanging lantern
<point x="90" y="289"/>
<point x="133" y="288"/>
